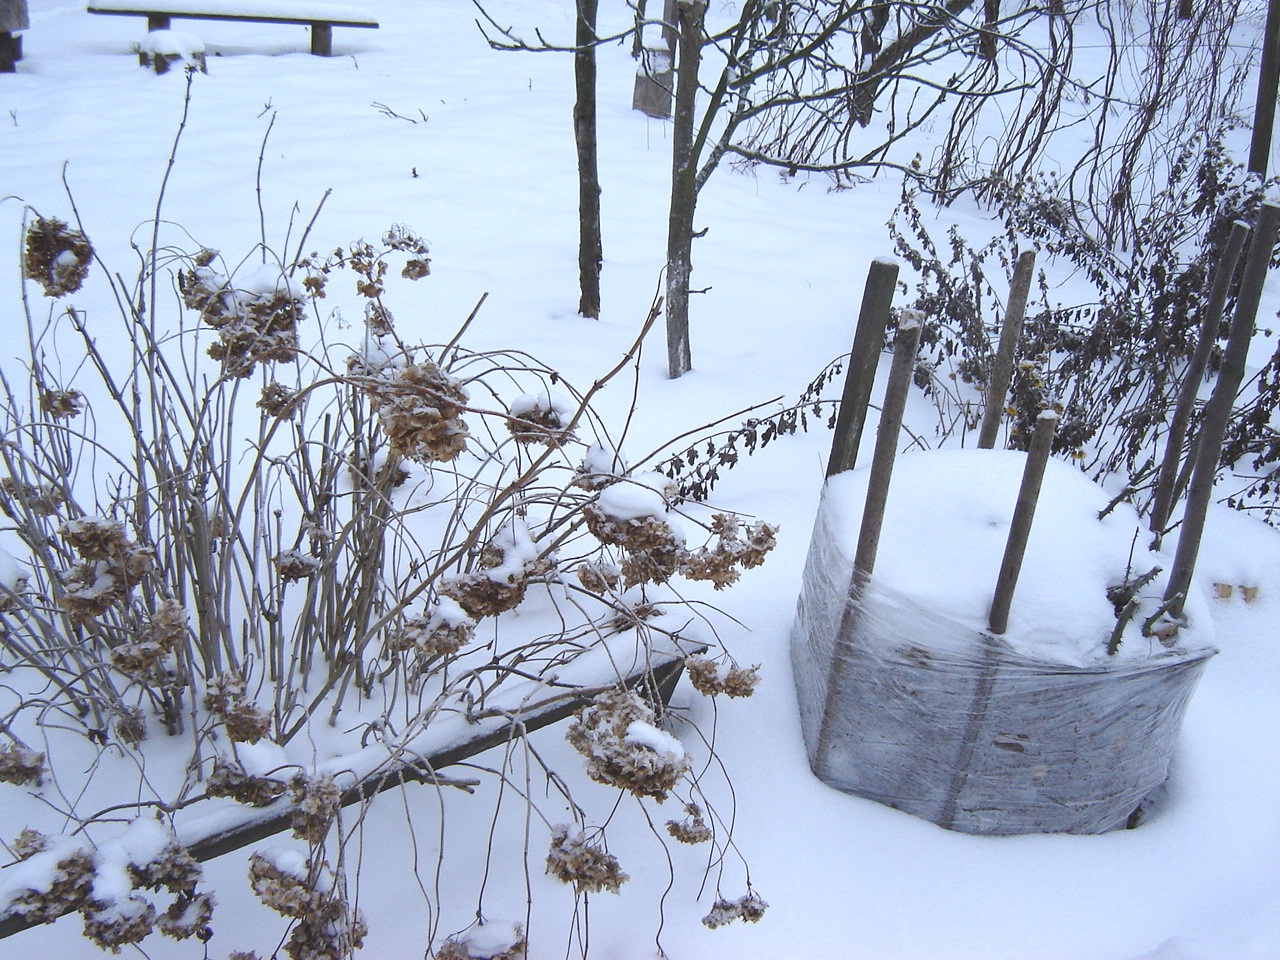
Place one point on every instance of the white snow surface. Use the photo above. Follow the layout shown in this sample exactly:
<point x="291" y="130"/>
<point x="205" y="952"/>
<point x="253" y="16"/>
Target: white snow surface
<point x="487" y="172"/>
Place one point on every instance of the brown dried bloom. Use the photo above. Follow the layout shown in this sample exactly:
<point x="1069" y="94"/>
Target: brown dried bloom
<point x="113" y="566"/>
<point x="244" y="720"/>
<point x="590" y="869"/>
<point x="721" y="564"/>
<point x="223" y="690"/>
<point x="284" y="892"/>
<point x="623" y="747"/>
<point x="68" y="885"/>
<point x="693" y="828"/>
<point x="21" y="765"/>
<point x="318" y="799"/>
<point x="477" y="944"/>
<point x="482" y="596"/>
<point x="256" y="319"/>
<point x="653" y="549"/>
<point x="277" y="400"/>
<point x="294" y="565"/>
<point x="229" y="779"/>
<point x="710" y="678"/>
<point x="444" y="632"/>
<point x="57" y="257"/>
<point x="43" y="499"/>
<point x="420" y="412"/>
<point x="131" y="725"/>
<point x="174" y="870"/>
<point x="540" y="418"/>
<point x="62" y="404"/>
<point x="157" y="639"/>
<point x="116" y="923"/>
<point x="28" y="843"/>
<point x="599" y="577"/>
<point x="188" y="916"/>
<point x="749" y="908"/>
<point x="328" y="928"/>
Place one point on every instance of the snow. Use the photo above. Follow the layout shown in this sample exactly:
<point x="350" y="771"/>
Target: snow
<point x="659" y="741"/>
<point x="639" y="496"/>
<point x="169" y="43"/>
<point x="486" y="171"/>
<point x="321" y="9"/>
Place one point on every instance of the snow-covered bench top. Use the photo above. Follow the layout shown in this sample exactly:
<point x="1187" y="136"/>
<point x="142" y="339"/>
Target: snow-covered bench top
<point x="320" y="15"/>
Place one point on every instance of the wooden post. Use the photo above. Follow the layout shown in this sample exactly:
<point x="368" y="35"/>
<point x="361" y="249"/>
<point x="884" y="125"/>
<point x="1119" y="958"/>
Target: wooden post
<point x="1218" y="411"/>
<point x="13" y="18"/>
<point x="655" y="75"/>
<point x="1023" y="514"/>
<point x="868" y="341"/>
<point x="1166" y="482"/>
<point x="895" y="402"/>
<point x="1006" y="353"/>
<point x="322" y="39"/>
<point x="1264" y="111"/>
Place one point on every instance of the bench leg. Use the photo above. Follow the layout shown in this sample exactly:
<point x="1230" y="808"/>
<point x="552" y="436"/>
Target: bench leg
<point x="10" y="52"/>
<point x="322" y="39"/>
<point x="157" y="21"/>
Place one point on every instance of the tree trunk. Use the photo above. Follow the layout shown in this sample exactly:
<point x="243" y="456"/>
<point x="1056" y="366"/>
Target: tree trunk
<point x="1264" y="111"/>
<point x="684" y="188"/>
<point x="590" y="250"/>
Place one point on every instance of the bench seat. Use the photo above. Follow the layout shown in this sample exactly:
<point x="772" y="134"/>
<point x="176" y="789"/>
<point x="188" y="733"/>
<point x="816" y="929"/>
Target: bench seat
<point x="320" y="16"/>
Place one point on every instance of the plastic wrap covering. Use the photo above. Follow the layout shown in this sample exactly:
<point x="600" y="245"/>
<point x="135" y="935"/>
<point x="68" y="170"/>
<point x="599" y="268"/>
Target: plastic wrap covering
<point x="904" y="706"/>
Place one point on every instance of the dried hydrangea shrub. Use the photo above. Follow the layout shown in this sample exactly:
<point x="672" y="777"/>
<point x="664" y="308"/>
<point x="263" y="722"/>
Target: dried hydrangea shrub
<point x="541" y="418"/>
<point x="327" y="928"/>
<point x="294" y="565"/>
<point x="443" y="632"/>
<point x="56" y="257"/>
<point x="244" y="720"/>
<point x="599" y="577"/>
<point x="21" y="765"/>
<point x="278" y="401"/>
<point x="188" y="916"/>
<point x="41" y="499"/>
<point x="572" y="859"/>
<point x="420" y="411"/>
<point x="623" y="747"/>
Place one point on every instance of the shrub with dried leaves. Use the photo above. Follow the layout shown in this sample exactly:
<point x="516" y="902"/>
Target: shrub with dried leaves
<point x="586" y="865"/>
<point x="624" y="748"/>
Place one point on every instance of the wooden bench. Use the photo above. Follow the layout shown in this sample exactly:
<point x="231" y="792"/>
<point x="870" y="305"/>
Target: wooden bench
<point x="320" y="16"/>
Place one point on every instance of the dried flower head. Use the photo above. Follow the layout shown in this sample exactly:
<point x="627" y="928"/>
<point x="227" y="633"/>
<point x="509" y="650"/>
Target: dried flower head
<point x="599" y="577"/>
<point x="589" y="868"/>
<point x="157" y="639"/>
<point x="279" y="401"/>
<point x="328" y="929"/>
<point x="65" y="885"/>
<point x="28" y="843"/>
<point x="41" y="499"/>
<point x="653" y="548"/>
<point x="444" y="631"/>
<point x="693" y="828"/>
<point x="174" y="870"/>
<point x="113" y="566"/>
<point x="721" y="564"/>
<point x="188" y="916"/>
<point x="540" y="418"/>
<point x="57" y="257"/>
<point x="118" y="922"/>
<point x="710" y="678"/>
<point x="749" y="908"/>
<point x="256" y="318"/>
<point x="294" y="565"/>
<point x="229" y="779"/>
<point x="131" y="725"/>
<point x="616" y="732"/>
<point x="420" y="411"/>
<point x="318" y="800"/>
<point x="62" y="404"/>
<point x="486" y="941"/>
<point x="21" y="765"/>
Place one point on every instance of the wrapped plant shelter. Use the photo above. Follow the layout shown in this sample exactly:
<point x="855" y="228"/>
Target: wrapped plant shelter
<point x="1062" y="724"/>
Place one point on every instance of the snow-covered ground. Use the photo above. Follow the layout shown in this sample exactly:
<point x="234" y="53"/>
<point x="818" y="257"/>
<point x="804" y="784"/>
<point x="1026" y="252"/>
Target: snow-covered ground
<point x="420" y="123"/>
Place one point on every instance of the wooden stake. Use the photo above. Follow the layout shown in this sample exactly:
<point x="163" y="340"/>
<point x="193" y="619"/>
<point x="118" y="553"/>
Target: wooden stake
<point x="1023" y="514"/>
<point x="1167" y="480"/>
<point x="895" y="402"/>
<point x="868" y="341"/>
<point x="1218" y="411"/>
<point x="1006" y="353"/>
